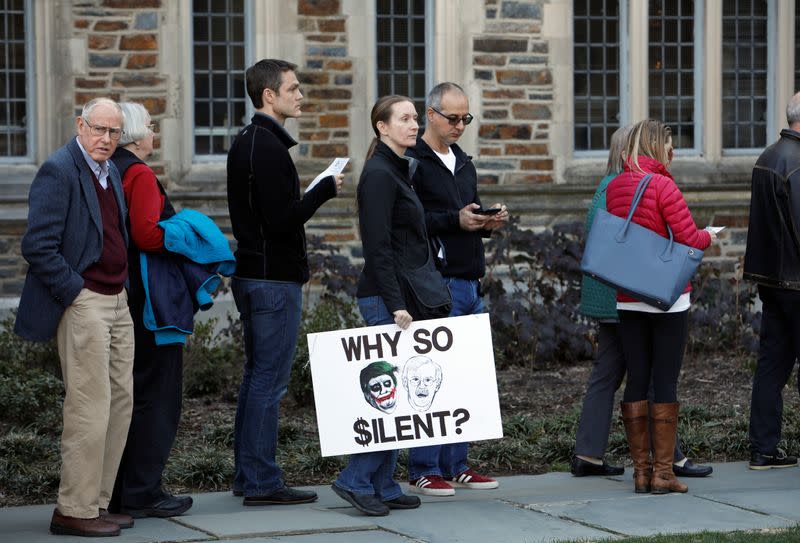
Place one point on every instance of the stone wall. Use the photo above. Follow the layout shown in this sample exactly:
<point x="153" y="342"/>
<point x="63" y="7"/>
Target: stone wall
<point x="327" y="79"/>
<point x="123" y="55"/>
<point x="511" y="64"/>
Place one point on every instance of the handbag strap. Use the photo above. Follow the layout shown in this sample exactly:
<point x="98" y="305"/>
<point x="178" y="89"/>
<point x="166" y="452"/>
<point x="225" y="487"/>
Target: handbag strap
<point x="637" y="196"/>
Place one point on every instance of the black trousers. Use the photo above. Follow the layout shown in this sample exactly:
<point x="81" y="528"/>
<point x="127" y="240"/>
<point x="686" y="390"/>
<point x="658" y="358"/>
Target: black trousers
<point x="778" y="351"/>
<point x="157" y="398"/>
<point x="653" y="344"/>
<point x="598" y="403"/>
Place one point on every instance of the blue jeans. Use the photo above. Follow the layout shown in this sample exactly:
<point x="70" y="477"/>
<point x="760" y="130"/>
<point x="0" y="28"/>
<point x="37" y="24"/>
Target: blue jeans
<point x="448" y="460"/>
<point x="270" y="313"/>
<point x="372" y="473"/>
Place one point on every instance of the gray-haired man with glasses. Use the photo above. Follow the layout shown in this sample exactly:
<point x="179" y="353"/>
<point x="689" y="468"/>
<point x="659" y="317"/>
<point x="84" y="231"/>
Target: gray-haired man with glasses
<point x="447" y="185"/>
<point x="76" y="248"/>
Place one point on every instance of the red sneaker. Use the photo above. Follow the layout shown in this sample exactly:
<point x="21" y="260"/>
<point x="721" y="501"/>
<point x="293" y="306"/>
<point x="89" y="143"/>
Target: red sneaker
<point x="473" y="479"/>
<point x="432" y="485"/>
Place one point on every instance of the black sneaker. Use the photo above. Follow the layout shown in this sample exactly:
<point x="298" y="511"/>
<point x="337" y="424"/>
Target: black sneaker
<point x="403" y="501"/>
<point x="366" y="503"/>
<point x="165" y="507"/>
<point x="769" y="461"/>
<point x="581" y="468"/>
<point x="282" y="496"/>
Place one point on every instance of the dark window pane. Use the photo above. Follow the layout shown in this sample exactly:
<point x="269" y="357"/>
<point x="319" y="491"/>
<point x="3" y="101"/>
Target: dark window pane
<point x="400" y="28"/>
<point x="219" y="29"/>
<point x="672" y="73"/>
<point x="14" y="122"/>
<point x="200" y="28"/>
<point x="595" y="72"/>
<point x="201" y="114"/>
<point x="744" y="99"/>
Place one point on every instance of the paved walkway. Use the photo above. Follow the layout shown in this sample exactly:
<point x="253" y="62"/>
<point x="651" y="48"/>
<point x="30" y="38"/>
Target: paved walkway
<point x="550" y="507"/>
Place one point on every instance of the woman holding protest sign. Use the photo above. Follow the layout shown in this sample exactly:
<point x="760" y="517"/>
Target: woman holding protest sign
<point x="396" y="256"/>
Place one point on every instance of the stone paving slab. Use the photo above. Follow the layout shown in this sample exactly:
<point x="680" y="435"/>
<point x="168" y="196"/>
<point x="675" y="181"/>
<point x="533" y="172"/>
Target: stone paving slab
<point x="648" y="514"/>
<point x="549" y="507"/>
<point x="779" y="503"/>
<point x="371" y="536"/>
<point x="491" y="521"/>
<point x="31" y="524"/>
<point x="278" y="520"/>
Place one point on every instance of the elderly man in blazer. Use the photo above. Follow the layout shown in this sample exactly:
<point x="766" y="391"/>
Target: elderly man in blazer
<point x="76" y="248"/>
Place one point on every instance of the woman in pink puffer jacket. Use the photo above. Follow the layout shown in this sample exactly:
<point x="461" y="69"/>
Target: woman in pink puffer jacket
<point x="653" y="340"/>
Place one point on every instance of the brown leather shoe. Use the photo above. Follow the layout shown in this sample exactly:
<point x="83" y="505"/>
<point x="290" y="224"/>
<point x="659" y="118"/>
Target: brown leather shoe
<point x="664" y="420"/>
<point x="84" y="527"/>
<point x="634" y="416"/>
<point x="123" y="521"/>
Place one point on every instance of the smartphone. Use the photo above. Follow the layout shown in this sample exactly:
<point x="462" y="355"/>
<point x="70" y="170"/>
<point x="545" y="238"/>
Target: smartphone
<point x="490" y="211"/>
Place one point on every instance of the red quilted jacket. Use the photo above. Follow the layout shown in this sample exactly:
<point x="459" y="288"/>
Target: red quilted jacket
<point x="662" y="204"/>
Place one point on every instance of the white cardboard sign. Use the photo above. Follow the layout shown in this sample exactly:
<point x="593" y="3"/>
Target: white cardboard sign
<point x="380" y="388"/>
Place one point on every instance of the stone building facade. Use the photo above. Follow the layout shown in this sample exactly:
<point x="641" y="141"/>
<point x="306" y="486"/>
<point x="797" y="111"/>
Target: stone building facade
<point x="535" y="72"/>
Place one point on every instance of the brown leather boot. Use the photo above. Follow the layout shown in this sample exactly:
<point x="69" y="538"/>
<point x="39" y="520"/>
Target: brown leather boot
<point x="664" y="420"/>
<point x="634" y="416"/>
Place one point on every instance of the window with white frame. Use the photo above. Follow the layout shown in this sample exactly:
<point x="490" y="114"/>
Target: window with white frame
<point x="671" y="68"/>
<point x="402" y="30"/>
<point x="220" y="47"/>
<point x="597" y="72"/>
<point x="614" y="40"/>
<point x="744" y="74"/>
<point x="15" y="87"/>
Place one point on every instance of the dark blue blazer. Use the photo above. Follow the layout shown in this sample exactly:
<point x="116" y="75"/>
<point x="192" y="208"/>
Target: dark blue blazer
<point x="63" y="238"/>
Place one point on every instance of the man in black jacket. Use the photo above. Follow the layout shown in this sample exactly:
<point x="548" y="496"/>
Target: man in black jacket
<point x="447" y="185"/>
<point x="267" y="213"/>
<point x="772" y="259"/>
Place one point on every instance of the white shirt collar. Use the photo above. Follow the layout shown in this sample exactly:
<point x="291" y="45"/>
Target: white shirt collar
<point x="100" y="169"/>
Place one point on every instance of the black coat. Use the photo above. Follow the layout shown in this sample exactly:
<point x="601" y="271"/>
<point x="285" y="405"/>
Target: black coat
<point x="443" y="194"/>
<point x="392" y="225"/>
<point x="268" y="214"/>
<point x="772" y="257"/>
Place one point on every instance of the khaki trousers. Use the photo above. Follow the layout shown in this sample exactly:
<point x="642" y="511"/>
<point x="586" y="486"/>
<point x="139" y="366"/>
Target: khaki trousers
<point x="95" y="345"/>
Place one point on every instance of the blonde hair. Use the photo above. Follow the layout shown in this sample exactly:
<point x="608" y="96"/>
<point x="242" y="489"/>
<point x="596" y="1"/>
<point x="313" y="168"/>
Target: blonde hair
<point x="617" y="149"/>
<point x="648" y="138"/>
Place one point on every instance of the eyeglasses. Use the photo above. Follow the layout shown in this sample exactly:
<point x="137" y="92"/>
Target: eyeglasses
<point x="454" y="119"/>
<point x="99" y="131"/>
<point x="153" y="127"/>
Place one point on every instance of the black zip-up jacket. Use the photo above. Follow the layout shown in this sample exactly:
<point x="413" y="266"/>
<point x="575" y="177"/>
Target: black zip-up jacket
<point x="269" y="211"/>
<point x="392" y="225"/>
<point x="443" y="194"/>
<point x="772" y="257"/>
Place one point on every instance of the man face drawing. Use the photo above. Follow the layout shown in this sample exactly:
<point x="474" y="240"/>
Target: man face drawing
<point x="379" y="385"/>
<point x="422" y="378"/>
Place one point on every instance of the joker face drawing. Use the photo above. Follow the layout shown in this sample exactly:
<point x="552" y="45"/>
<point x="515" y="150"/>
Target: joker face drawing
<point x="379" y="385"/>
<point x="422" y="378"/>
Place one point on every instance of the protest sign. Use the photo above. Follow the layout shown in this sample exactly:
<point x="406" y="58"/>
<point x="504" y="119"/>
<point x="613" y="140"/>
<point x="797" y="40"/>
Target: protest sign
<point x="380" y="387"/>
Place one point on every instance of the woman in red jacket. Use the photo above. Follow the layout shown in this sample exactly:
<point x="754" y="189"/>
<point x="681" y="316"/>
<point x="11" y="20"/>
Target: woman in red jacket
<point x="653" y="340"/>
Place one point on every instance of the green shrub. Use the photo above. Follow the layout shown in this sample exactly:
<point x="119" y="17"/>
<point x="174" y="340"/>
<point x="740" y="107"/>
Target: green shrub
<point x="17" y="353"/>
<point x="31" y="396"/>
<point x="212" y="363"/>
<point x="29" y="467"/>
<point x="206" y="466"/>
<point x="330" y="313"/>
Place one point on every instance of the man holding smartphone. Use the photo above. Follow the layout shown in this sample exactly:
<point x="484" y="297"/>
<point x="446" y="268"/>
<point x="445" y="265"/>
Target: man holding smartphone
<point x="447" y="185"/>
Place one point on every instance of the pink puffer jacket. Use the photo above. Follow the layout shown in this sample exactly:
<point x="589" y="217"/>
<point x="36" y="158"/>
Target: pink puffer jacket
<point x="662" y="204"/>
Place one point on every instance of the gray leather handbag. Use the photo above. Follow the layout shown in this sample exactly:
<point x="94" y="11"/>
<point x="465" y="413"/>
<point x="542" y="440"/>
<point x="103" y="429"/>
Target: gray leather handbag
<point x="637" y="261"/>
